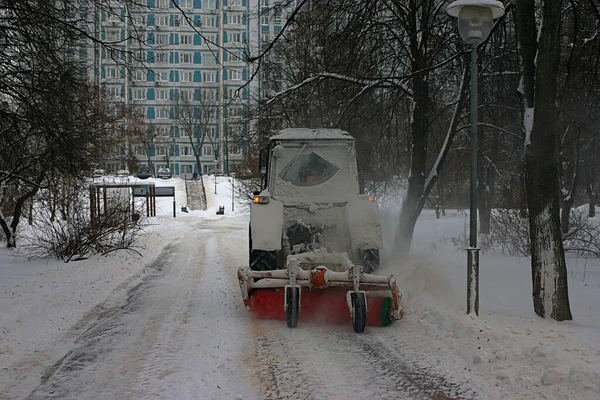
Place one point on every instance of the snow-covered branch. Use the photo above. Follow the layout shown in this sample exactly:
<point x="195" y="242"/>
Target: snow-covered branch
<point x="368" y="83"/>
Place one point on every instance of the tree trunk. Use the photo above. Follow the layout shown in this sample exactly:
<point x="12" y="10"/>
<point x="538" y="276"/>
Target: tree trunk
<point x="485" y="209"/>
<point x="487" y="189"/>
<point x="590" y="194"/>
<point x="540" y="68"/>
<point x="565" y="214"/>
<point x="416" y="181"/>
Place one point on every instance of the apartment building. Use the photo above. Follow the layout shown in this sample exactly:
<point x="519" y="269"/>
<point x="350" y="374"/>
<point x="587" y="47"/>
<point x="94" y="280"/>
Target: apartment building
<point x="183" y="68"/>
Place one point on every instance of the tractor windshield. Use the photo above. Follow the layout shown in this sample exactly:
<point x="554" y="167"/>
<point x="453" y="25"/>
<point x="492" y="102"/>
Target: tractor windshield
<point x="308" y="170"/>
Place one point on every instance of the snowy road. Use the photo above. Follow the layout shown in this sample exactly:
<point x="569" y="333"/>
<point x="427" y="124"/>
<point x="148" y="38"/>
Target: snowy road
<point x="179" y="330"/>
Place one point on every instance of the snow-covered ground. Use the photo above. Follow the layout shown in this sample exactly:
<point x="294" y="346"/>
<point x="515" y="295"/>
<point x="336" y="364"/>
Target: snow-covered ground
<point x="48" y="308"/>
<point x="511" y="347"/>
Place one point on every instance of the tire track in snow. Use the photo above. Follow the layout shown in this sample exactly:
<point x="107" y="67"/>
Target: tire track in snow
<point x="395" y="362"/>
<point x="279" y="371"/>
<point x="162" y="357"/>
<point x="331" y="362"/>
<point x="75" y="371"/>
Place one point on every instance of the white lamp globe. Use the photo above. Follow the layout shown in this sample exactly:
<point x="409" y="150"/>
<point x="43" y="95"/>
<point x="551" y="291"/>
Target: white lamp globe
<point x="475" y="24"/>
<point x="475" y="18"/>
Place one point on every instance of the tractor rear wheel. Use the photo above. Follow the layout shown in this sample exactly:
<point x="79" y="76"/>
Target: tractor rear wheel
<point x="262" y="260"/>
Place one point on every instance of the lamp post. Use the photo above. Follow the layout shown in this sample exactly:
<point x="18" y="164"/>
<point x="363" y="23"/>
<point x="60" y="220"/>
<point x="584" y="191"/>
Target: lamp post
<point x="475" y="22"/>
<point x="232" y="191"/>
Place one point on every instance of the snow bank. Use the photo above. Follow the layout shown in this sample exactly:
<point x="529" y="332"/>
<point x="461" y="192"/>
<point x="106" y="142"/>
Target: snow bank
<point x="521" y="354"/>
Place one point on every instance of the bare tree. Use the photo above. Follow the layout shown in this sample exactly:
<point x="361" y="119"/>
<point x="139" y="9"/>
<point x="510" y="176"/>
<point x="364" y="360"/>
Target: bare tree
<point x="194" y="116"/>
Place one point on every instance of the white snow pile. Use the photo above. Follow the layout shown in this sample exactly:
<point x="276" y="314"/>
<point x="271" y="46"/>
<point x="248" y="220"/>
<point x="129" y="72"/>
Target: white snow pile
<point x="507" y="345"/>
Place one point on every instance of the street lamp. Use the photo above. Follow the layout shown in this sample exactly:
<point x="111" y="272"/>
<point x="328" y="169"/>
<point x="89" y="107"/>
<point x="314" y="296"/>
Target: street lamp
<point x="232" y="191"/>
<point x="475" y="22"/>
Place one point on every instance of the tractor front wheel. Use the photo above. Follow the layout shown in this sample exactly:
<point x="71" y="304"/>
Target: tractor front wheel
<point x="292" y="305"/>
<point x="359" y="312"/>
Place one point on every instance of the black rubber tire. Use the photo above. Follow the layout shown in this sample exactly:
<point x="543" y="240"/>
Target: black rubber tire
<point x="359" y="316"/>
<point x="369" y="260"/>
<point x="293" y="306"/>
<point x="261" y="260"/>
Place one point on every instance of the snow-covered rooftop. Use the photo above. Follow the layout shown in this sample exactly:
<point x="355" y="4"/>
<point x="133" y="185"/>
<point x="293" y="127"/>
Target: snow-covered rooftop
<point x="306" y="133"/>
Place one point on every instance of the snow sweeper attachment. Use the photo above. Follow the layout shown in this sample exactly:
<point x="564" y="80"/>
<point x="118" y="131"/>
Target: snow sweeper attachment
<point x="321" y="294"/>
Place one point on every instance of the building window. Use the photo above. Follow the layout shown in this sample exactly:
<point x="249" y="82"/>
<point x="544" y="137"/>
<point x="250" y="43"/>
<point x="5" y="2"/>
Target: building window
<point x="162" y="57"/>
<point x="209" y="76"/>
<point x="186" y="3"/>
<point x="209" y="95"/>
<point x="186" y="169"/>
<point x="210" y="4"/>
<point x="234" y="150"/>
<point x="265" y="37"/>
<point x="162" y="76"/>
<point x="186" y="58"/>
<point x="264" y="20"/>
<point x="234" y="75"/>
<point x="162" y="20"/>
<point x="185" y="76"/>
<point x="139" y="20"/>
<point x="277" y="17"/>
<point x="113" y="35"/>
<point x="234" y="112"/>
<point x="162" y="131"/>
<point x="211" y="132"/>
<point x="210" y="39"/>
<point x="162" y="38"/>
<point x="186" y="151"/>
<point x="186" y="39"/>
<point x="207" y="150"/>
<point x="114" y="91"/>
<point x="186" y="94"/>
<point x="112" y="72"/>
<point x="113" y="18"/>
<point x="209" y="59"/>
<point x="162" y="94"/>
<point x="235" y="19"/>
<point x="235" y="37"/>
<point x="238" y="55"/>
<point x="162" y="113"/>
<point x="209" y="22"/>
<point x="163" y="3"/>
<point x="231" y="93"/>
<point x="140" y="75"/>
<point x="139" y="94"/>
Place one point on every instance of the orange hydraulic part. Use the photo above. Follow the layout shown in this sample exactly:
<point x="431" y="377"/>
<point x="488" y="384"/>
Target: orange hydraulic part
<point x="317" y="278"/>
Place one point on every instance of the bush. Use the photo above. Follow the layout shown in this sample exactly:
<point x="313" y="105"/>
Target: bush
<point x="509" y="234"/>
<point x="75" y="236"/>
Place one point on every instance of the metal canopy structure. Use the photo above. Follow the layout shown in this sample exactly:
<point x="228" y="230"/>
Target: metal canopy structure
<point x="99" y="197"/>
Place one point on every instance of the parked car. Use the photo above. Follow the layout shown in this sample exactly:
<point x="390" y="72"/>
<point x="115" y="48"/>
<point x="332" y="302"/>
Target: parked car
<point x="98" y="173"/>
<point x="144" y="172"/>
<point x="164" y="173"/>
<point x="123" y="173"/>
